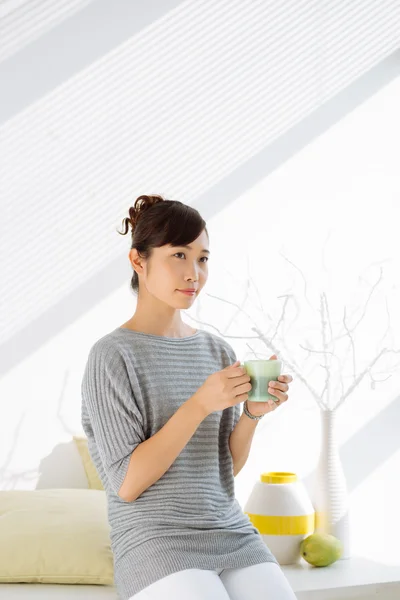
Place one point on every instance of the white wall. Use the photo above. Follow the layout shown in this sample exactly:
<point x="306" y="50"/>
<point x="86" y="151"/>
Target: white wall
<point x="66" y="279"/>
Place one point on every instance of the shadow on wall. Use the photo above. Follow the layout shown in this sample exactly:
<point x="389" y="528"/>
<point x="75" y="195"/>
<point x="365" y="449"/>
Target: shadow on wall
<point x="370" y="447"/>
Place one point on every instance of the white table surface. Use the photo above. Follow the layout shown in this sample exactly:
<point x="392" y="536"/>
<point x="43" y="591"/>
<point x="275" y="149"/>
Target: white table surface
<point x="355" y="577"/>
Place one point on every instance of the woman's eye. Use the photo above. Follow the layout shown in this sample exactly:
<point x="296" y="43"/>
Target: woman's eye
<point x="183" y="254"/>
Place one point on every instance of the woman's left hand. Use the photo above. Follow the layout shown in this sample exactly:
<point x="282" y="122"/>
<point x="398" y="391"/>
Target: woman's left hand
<point x="278" y="388"/>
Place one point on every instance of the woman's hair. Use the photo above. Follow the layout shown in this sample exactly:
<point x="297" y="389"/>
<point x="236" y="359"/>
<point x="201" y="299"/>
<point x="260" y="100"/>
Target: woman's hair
<point x="156" y="222"/>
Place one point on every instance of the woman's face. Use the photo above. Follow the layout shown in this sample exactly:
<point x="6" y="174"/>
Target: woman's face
<point x="174" y="268"/>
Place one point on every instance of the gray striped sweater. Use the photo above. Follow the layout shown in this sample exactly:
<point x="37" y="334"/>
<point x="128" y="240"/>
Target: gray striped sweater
<point x="132" y="384"/>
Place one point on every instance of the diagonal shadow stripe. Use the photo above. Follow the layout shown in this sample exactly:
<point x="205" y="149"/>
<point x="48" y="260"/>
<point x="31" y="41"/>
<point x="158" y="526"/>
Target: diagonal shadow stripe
<point x="297" y="137"/>
<point x="52" y="59"/>
<point x="367" y="449"/>
<point x="117" y="273"/>
<point x="64" y="313"/>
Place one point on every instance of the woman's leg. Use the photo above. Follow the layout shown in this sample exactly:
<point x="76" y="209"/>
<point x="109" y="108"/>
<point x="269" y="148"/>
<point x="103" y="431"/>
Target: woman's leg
<point x="196" y="584"/>
<point x="265" y="581"/>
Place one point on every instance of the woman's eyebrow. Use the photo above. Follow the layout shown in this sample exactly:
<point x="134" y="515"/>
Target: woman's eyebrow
<point x="190" y="248"/>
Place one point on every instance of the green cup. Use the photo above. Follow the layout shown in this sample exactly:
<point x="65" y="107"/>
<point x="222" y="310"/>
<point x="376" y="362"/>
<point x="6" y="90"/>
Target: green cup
<point x="261" y="372"/>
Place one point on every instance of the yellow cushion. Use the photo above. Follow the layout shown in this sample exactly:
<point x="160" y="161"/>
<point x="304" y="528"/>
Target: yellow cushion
<point x="55" y="536"/>
<point x="90" y="469"/>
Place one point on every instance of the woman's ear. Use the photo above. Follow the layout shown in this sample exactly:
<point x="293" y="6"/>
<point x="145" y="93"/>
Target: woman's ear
<point x="136" y="260"/>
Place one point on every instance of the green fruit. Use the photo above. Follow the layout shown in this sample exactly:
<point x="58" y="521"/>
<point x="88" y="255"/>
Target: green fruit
<point x="321" y="549"/>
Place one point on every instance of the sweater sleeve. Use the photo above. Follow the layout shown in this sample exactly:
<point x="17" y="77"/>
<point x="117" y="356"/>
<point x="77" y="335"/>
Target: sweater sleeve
<point x="232" y="359"/>
<point x="113" y="420"/>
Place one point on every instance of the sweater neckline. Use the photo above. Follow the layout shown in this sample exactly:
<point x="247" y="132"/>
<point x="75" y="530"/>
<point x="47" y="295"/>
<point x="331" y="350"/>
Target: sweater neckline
<point x="159" y="337"/>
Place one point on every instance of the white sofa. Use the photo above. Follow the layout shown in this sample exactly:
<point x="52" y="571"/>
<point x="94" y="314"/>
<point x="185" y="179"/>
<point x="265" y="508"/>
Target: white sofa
<point x="63" y="468"/>
<point x="46" y="591"/>
<point x="344" y="580"/>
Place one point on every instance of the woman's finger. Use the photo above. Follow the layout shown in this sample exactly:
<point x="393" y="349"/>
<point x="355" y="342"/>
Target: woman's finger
<point x="281" y="396"/>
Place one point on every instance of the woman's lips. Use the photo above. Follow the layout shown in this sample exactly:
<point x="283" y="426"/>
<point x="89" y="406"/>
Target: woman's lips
<point x="191" y="293"/>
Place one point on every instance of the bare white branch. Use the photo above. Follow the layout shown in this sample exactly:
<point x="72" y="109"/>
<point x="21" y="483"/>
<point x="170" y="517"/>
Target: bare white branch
<point x="233" y="304"/>
<point x="361" y="376"/>
<point x="233" y="337"/>
<point x="282" y="317"/>
<point x="302" y="276"/>
<point x="274" y="339"/>
<point x="342" y="335"/>
<point x="351" y="342"/>
<point x="298" y="374"/>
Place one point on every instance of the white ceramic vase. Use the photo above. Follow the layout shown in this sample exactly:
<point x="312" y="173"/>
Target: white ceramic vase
<point x="281" y="510"/>
<point x="330" y="498"/>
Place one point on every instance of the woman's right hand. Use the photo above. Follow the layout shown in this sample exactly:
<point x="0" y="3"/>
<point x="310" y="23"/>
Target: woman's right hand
<point x="223" y="389"/>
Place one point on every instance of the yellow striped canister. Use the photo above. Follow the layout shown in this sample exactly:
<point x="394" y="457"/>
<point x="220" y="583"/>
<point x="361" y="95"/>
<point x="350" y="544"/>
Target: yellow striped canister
<point x="281" y="510"/>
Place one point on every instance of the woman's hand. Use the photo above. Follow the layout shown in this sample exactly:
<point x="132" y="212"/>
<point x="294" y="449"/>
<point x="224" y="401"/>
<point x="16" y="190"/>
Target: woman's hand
<point x="278" y="388"/>
<point x="223" y="389"/>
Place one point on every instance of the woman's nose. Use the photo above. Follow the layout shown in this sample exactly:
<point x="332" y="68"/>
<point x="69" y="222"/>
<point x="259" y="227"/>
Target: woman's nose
<point x="192" y="273"/>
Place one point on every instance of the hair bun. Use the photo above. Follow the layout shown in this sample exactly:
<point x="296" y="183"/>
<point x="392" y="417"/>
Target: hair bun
<point x="142" y="203"/>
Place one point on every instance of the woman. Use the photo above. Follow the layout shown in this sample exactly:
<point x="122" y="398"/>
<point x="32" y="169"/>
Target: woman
<point x="159" y="402"/>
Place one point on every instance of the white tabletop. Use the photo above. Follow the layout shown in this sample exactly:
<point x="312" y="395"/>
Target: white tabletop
<point x="356" y="577"/>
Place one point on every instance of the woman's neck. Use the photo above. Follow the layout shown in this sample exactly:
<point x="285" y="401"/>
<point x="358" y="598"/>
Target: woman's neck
<point x="177" y="330"/>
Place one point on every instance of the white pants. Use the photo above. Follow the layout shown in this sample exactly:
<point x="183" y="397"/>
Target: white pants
<point x="265" y="581"/>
